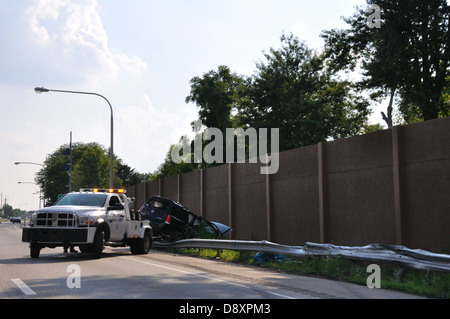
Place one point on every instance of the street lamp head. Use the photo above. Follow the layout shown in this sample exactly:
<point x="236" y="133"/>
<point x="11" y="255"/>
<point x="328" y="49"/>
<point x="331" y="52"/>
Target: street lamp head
<point x="111" y="165"/>
<point x="41" y="90"/>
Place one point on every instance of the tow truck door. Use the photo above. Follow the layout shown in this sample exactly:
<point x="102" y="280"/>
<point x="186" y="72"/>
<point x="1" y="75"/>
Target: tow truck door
<point x="116" y="218"/>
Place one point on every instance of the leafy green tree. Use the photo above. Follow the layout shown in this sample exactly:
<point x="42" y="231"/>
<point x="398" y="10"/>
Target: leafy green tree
<point x="170" y="168"/>
<point x="370" y="128"/>
<point x="90" y="169"/>
<point x="8" y="211"/>
<point x="294" y="91"/>
<point x="129" y="176"/>
<point x="217" y="94"/>
<point x="407" y="56"/>
<point x="53" y="178"/>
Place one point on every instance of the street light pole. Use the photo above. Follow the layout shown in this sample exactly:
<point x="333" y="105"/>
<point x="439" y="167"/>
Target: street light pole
<point x="32" y="163"/>
<point x="43" y="186"/>
<point x="111" y="164"/>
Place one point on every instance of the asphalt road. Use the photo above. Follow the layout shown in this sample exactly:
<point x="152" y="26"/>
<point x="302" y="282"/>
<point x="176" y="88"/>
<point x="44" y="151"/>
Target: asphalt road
<point x="158" y="275"/>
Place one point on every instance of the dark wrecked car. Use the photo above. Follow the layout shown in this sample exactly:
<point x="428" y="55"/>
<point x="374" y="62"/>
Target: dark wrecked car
<point x="172" y="221"/>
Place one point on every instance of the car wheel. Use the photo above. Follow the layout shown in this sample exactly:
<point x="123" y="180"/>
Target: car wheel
<point x="35" y="250"/>
<point x="99" y="243"/>
<point x="143" y="245"/>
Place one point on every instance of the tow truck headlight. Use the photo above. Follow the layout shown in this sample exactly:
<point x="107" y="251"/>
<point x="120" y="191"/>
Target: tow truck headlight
<point x="85" y="221"/>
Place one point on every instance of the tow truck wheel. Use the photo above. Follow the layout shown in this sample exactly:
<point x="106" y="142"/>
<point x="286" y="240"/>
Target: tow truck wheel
<point x="99" y="243"/>
<point x="143" y="245"/>
<point x="146" y="243"/>
<point x="35" y="250"/>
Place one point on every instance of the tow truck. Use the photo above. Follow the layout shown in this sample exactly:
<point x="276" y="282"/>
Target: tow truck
<point x="89" y="219"/>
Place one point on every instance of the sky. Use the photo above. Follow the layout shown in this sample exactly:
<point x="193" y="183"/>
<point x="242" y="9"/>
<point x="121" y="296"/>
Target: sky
<point x="140" y="55"/>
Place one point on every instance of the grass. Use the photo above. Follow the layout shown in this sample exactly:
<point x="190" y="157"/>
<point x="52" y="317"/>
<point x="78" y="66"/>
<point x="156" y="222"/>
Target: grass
<point x="418" y="282"/>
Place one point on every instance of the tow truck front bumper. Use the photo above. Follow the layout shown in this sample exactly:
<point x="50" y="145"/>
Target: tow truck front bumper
<point x="54" y="235"/>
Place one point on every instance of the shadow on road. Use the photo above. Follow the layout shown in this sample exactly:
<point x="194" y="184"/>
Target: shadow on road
<point x="47" y="257"/>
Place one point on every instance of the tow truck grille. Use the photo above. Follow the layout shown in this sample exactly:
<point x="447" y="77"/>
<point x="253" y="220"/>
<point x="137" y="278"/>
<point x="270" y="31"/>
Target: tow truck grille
<point x="55" y="219"/>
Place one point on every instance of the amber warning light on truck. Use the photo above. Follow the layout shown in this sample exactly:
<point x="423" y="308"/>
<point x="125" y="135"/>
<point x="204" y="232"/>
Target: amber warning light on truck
<point x="98" y="190"/>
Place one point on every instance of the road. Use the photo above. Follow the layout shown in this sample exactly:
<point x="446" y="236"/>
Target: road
<point x="158" y="275"/>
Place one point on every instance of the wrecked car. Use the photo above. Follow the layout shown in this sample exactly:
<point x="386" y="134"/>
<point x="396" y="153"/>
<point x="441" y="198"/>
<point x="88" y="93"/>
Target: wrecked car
<point x="172" y="221"/>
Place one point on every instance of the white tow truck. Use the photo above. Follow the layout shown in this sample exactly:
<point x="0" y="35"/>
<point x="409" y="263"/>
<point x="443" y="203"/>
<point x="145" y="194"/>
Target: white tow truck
<point x="90" y="219"/>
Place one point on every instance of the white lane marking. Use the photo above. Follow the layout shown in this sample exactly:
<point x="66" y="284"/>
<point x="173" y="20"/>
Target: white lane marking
<point x="22" y="286"/>
<point x="203" y="276"/>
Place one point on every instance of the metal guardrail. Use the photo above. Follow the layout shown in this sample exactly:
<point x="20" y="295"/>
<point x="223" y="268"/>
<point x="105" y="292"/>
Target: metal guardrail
<point x="376" y="253"/>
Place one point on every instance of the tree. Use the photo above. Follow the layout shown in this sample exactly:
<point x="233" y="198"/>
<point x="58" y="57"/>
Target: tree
<point x="90" y="169"/>
<point x="216" y="94"/>
<point x="129" y="176"/>
<point x="408" y="55"/>
<point x="170" y="168"/>
<point x="295" y="92"/>
<point x="53" y="178"/>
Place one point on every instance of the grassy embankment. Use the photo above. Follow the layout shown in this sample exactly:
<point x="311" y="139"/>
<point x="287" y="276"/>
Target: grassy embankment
<point x="425" y="283"/>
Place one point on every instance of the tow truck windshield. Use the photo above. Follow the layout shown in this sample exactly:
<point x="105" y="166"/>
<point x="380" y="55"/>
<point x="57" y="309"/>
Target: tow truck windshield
<point x="94" y="200"/>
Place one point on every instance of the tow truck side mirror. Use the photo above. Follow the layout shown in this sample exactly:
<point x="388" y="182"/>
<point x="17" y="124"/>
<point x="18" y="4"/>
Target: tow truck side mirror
<point x="117" y="206"/>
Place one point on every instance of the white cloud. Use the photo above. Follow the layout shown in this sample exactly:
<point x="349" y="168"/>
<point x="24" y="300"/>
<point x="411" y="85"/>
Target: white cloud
<point x="149" y="133"/>
<point x="43" y="10"/>
<point x="73" y="43"/>
<point x="73" y="32"/>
